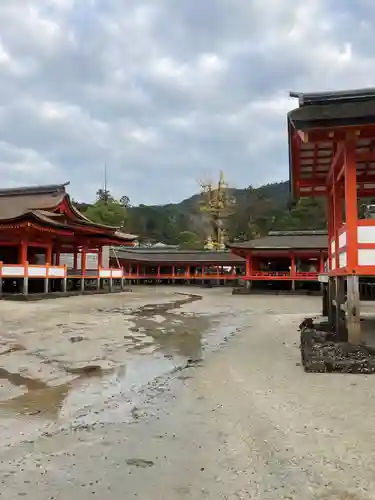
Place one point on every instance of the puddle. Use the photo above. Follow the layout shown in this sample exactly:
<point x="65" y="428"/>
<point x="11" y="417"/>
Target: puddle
<point x="146" y="351"/>
<point x="19" y="380"/>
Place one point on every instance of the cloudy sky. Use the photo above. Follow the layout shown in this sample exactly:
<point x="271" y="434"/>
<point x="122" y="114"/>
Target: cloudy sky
<point x="166" y="91"/>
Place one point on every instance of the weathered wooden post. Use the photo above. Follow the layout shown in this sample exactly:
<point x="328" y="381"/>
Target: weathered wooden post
<point x="25" y="288"/>
<point x="340" y="327"/>
<point x="46" y="280"/>
<point x="353" y="310"/>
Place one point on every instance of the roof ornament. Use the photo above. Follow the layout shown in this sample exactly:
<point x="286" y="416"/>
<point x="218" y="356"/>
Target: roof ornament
<point x="218" y="204"/>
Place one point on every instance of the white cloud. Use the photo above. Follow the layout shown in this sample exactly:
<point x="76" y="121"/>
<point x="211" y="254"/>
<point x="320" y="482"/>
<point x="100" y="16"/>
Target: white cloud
<point x="163" y="91"/>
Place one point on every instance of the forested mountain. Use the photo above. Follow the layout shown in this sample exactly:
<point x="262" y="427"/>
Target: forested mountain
<point x="257" y="211"/>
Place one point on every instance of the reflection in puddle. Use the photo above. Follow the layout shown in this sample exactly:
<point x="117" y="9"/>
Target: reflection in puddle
<point x="159" y="340"/>
<point x="46" y="402"/>
<point x="19" y="380"/>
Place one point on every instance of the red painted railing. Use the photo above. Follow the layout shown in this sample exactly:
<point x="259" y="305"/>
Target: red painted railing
<point x="274" y="275"/>
<point x="255" y="275"/>
<point x="206" y="276"/>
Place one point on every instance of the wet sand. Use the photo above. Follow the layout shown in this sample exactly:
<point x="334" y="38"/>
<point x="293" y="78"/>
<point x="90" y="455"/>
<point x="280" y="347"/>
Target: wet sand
<point x="202" y="400"/>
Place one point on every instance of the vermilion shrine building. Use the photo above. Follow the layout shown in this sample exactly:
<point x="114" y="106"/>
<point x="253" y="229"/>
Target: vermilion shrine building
<point x="39" y="226"/>
<point x="284" y="258"/>
<point x="332" y="154"/>
<point x="45" y="243"/>
<point x="177" y="266"/>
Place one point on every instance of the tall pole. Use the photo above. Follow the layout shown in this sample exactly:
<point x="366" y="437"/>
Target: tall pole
<point x="105" y="184"/>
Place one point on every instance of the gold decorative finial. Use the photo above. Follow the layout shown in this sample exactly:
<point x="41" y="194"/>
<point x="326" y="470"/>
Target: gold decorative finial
<point x="218" y="205"/>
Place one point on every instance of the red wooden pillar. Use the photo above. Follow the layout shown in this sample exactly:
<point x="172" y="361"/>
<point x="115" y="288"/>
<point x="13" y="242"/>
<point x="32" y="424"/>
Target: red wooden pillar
<point x="57" y="253"/>
<point x="49" y="254"/>
<point x="22" y="256"/>
<point x="248" y="265"/>
<point x="158" y="271"/>
<point x="100" y="257"/>
<point x="352" y="279"/>
<point x="330" y="227"/>
<point x="292" y="264"/>
<point x="337" y="219"/>
<point x="75" y="258"/>
<point x="83" y="260"/>
<point x="351" y="207"/>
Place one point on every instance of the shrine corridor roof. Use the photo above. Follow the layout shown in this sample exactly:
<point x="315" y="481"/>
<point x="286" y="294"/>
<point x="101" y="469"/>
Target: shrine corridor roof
<point x="286" y="240"/>
<point x="176" y="256"/>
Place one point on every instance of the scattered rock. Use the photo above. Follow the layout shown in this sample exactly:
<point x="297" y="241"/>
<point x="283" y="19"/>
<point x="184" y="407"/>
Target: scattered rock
<point x="320" y="353"/>
<point x="139" y="462"/>
<point x="77" y="338"/>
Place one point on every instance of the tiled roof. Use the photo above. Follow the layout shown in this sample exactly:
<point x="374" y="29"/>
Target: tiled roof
<point x="177" y="256"/>
<point x="39" y="203"/>
<point x="311" y="161"/>
<point x="15" y="202"/>
<point x="286" y="240"/>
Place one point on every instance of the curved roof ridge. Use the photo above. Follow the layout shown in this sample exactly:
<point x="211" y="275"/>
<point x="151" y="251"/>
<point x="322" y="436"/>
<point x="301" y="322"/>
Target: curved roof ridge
<point x="30" y="190"/>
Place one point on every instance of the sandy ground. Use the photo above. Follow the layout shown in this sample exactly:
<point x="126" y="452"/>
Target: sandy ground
<point x="241" y="421"/>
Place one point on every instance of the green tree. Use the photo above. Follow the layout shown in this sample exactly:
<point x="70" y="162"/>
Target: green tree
<point x="189" y="241"/>
<point x="125" y="201"/>
<point x="104" y="195"/>
<point x="107" y="210"/>
<point x="110" y="213"/>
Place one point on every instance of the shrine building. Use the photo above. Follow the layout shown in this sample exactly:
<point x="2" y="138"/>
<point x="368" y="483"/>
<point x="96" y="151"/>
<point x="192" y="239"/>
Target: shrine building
<point x="39" y="229"/>
<point x="332" y="155"/>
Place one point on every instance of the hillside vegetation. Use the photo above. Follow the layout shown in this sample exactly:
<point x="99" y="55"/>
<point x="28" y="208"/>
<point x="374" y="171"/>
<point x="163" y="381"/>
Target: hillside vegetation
<point x="257" y="211"/>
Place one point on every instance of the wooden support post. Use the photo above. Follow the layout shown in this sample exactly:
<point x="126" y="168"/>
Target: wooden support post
<point x="46" y="283"/>
<point x="353" y="310"/>
<point x="25" y="288"/>
<point x="325" y="299"/>
<point x="331" y="306"/>
<point x="340" y="326"/>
